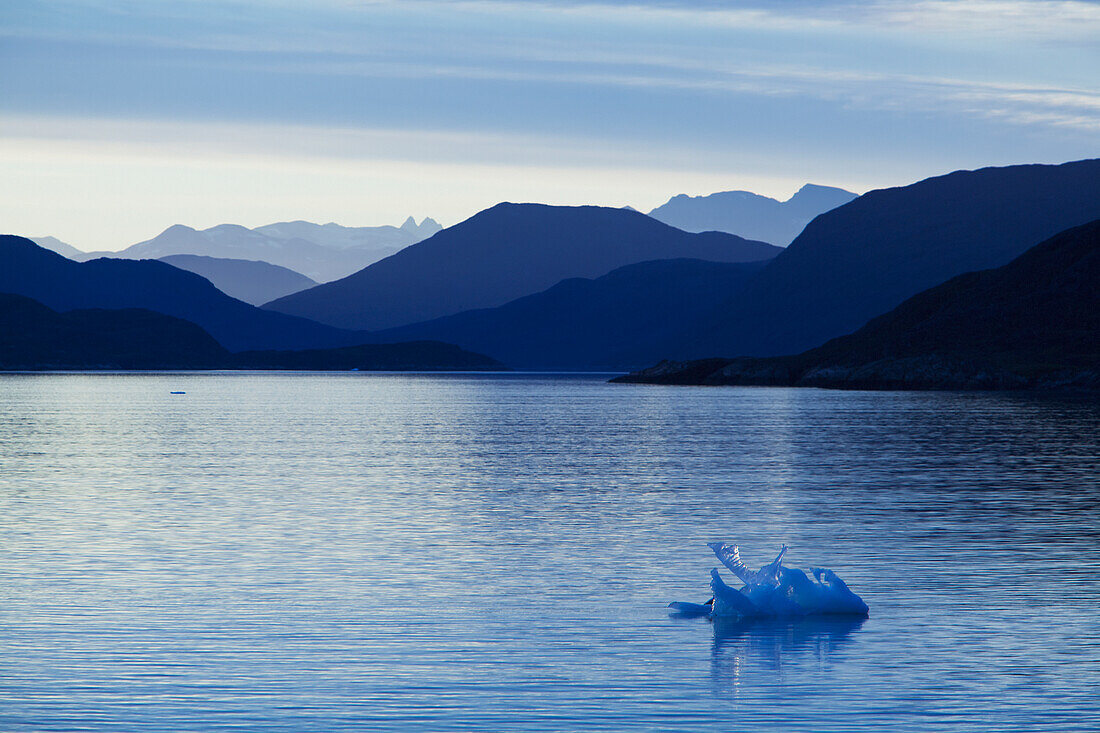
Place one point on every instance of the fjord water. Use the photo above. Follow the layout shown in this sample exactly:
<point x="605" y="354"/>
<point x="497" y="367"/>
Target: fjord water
<point x="469" y="552"/>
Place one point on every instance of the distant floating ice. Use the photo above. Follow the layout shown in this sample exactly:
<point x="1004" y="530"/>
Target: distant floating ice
<point x="773" y="591"/>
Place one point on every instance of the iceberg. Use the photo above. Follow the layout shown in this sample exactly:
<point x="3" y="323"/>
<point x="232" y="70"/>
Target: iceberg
<point x="773" y="591"/>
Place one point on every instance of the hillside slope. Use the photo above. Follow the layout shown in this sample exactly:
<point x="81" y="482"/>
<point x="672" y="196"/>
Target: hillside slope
<point x="589" y="323"/>
<point x="33" y="336"/>
<point x="501" y="254"/>
<point x="252" y="281"/>
<point x="864" y="258"/>
<point x="322" y="252"/>
<point x="61" y="284"/>
<point x="1034" y="322"/>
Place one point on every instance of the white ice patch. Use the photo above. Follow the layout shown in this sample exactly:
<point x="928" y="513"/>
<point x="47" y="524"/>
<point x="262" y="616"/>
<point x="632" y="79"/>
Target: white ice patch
<point x="773" y="591"/>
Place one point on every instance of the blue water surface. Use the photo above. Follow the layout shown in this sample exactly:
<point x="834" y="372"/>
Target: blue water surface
<point x="292" y="552"/>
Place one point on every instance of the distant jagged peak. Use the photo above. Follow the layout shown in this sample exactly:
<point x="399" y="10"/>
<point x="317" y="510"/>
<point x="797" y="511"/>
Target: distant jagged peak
<point x="307" y="229"/>
<point x="719" y="195"/>
<point x="808" y="190"/>
<point x="429" y="226"/>
<point x="751" y="215"/>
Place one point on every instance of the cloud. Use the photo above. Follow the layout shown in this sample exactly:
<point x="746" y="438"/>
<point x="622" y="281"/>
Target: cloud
<point x="105" y="184"/>
<point x="330" y="146"/>
<point x="875" y="56"/>
<point x="1011" y="103"/>
<point x="338" y="25"/>
<point x="639" y="96"/>
<point x="1032" y="18"/>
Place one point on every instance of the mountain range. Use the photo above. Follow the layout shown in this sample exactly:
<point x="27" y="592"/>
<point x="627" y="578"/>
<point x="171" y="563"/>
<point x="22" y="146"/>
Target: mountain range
<point x="62" y="248"/>
<point x="503" y="253"/>
<point x="583" y="323"/>
<point x="62" y="284"/>
<point x="865" y="257"/>
<point x="553" y="287"/>
<point x="34" y="337"/>
<point x="252" y="281"/>
<point x="321" y="252"/>
<point x="751" y="215"/>
<point x="1034" y="322"/>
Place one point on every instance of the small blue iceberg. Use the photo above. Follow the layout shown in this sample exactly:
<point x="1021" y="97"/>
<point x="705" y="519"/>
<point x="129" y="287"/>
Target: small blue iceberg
<point x="773" y="591"/>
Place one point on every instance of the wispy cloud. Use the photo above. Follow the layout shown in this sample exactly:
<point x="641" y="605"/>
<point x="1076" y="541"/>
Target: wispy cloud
<point x="636" y="94"/>
<point x="640" y="44"/>
<point x="1053" y="18"/>
<point x="1013" y="103"/>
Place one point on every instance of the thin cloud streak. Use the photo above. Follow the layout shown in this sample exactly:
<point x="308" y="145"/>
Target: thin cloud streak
<point x="1063" y="20"/>
<point x="1031" y="18"/>
<point x="674" y="65"/>
<point x="333" y="147"/>
<point x="646" y="98"/>
<point x="67" y="174"/>
<point x="1012" y="103"/>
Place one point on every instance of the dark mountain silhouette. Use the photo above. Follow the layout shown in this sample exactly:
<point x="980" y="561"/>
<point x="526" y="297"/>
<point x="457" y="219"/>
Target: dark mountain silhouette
<point x="61" y="284"/>
<point x="751" y="215"/>
<point x="33" y="336"/>
<point x="407" y="356"/>
<point x="1034" y="322"/>
<point x="252" y="281"/>
<point x="589" y="323"/>
<point x="866" y="257"/>
<point x="322" y="252"/>
<point x="501" y="254"/>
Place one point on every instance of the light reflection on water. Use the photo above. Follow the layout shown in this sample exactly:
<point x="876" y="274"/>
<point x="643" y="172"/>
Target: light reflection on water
<point x="775" y="646"/>
<point x="293" y="552"/>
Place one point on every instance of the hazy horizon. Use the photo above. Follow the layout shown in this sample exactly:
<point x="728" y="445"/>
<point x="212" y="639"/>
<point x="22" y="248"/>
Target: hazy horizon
<point x="118" y="121"/>
<point x="419" y="220"/>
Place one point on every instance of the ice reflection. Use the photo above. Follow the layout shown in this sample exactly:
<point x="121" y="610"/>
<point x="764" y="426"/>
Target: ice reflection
<point x="743" y="647"/>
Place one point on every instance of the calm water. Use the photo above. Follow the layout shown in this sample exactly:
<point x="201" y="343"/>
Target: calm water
<point x="302" y="552"/>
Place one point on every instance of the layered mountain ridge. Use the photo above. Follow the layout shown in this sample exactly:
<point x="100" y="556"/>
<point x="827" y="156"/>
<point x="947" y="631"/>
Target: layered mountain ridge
<point x="62" y="284"/>
<point x="590" y="323"/>
<point x="321" y="252"/>
<point x="36" y="338"/>
<point x="751" y="215"/>
<point x="503" y="253"/>
<point x="866" y="257"/>
<point x="252" y="281"/>
<point x="1034" y="322"/>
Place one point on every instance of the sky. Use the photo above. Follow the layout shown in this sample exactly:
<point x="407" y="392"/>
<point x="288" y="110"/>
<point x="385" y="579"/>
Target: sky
<point x="119" y="118"/>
